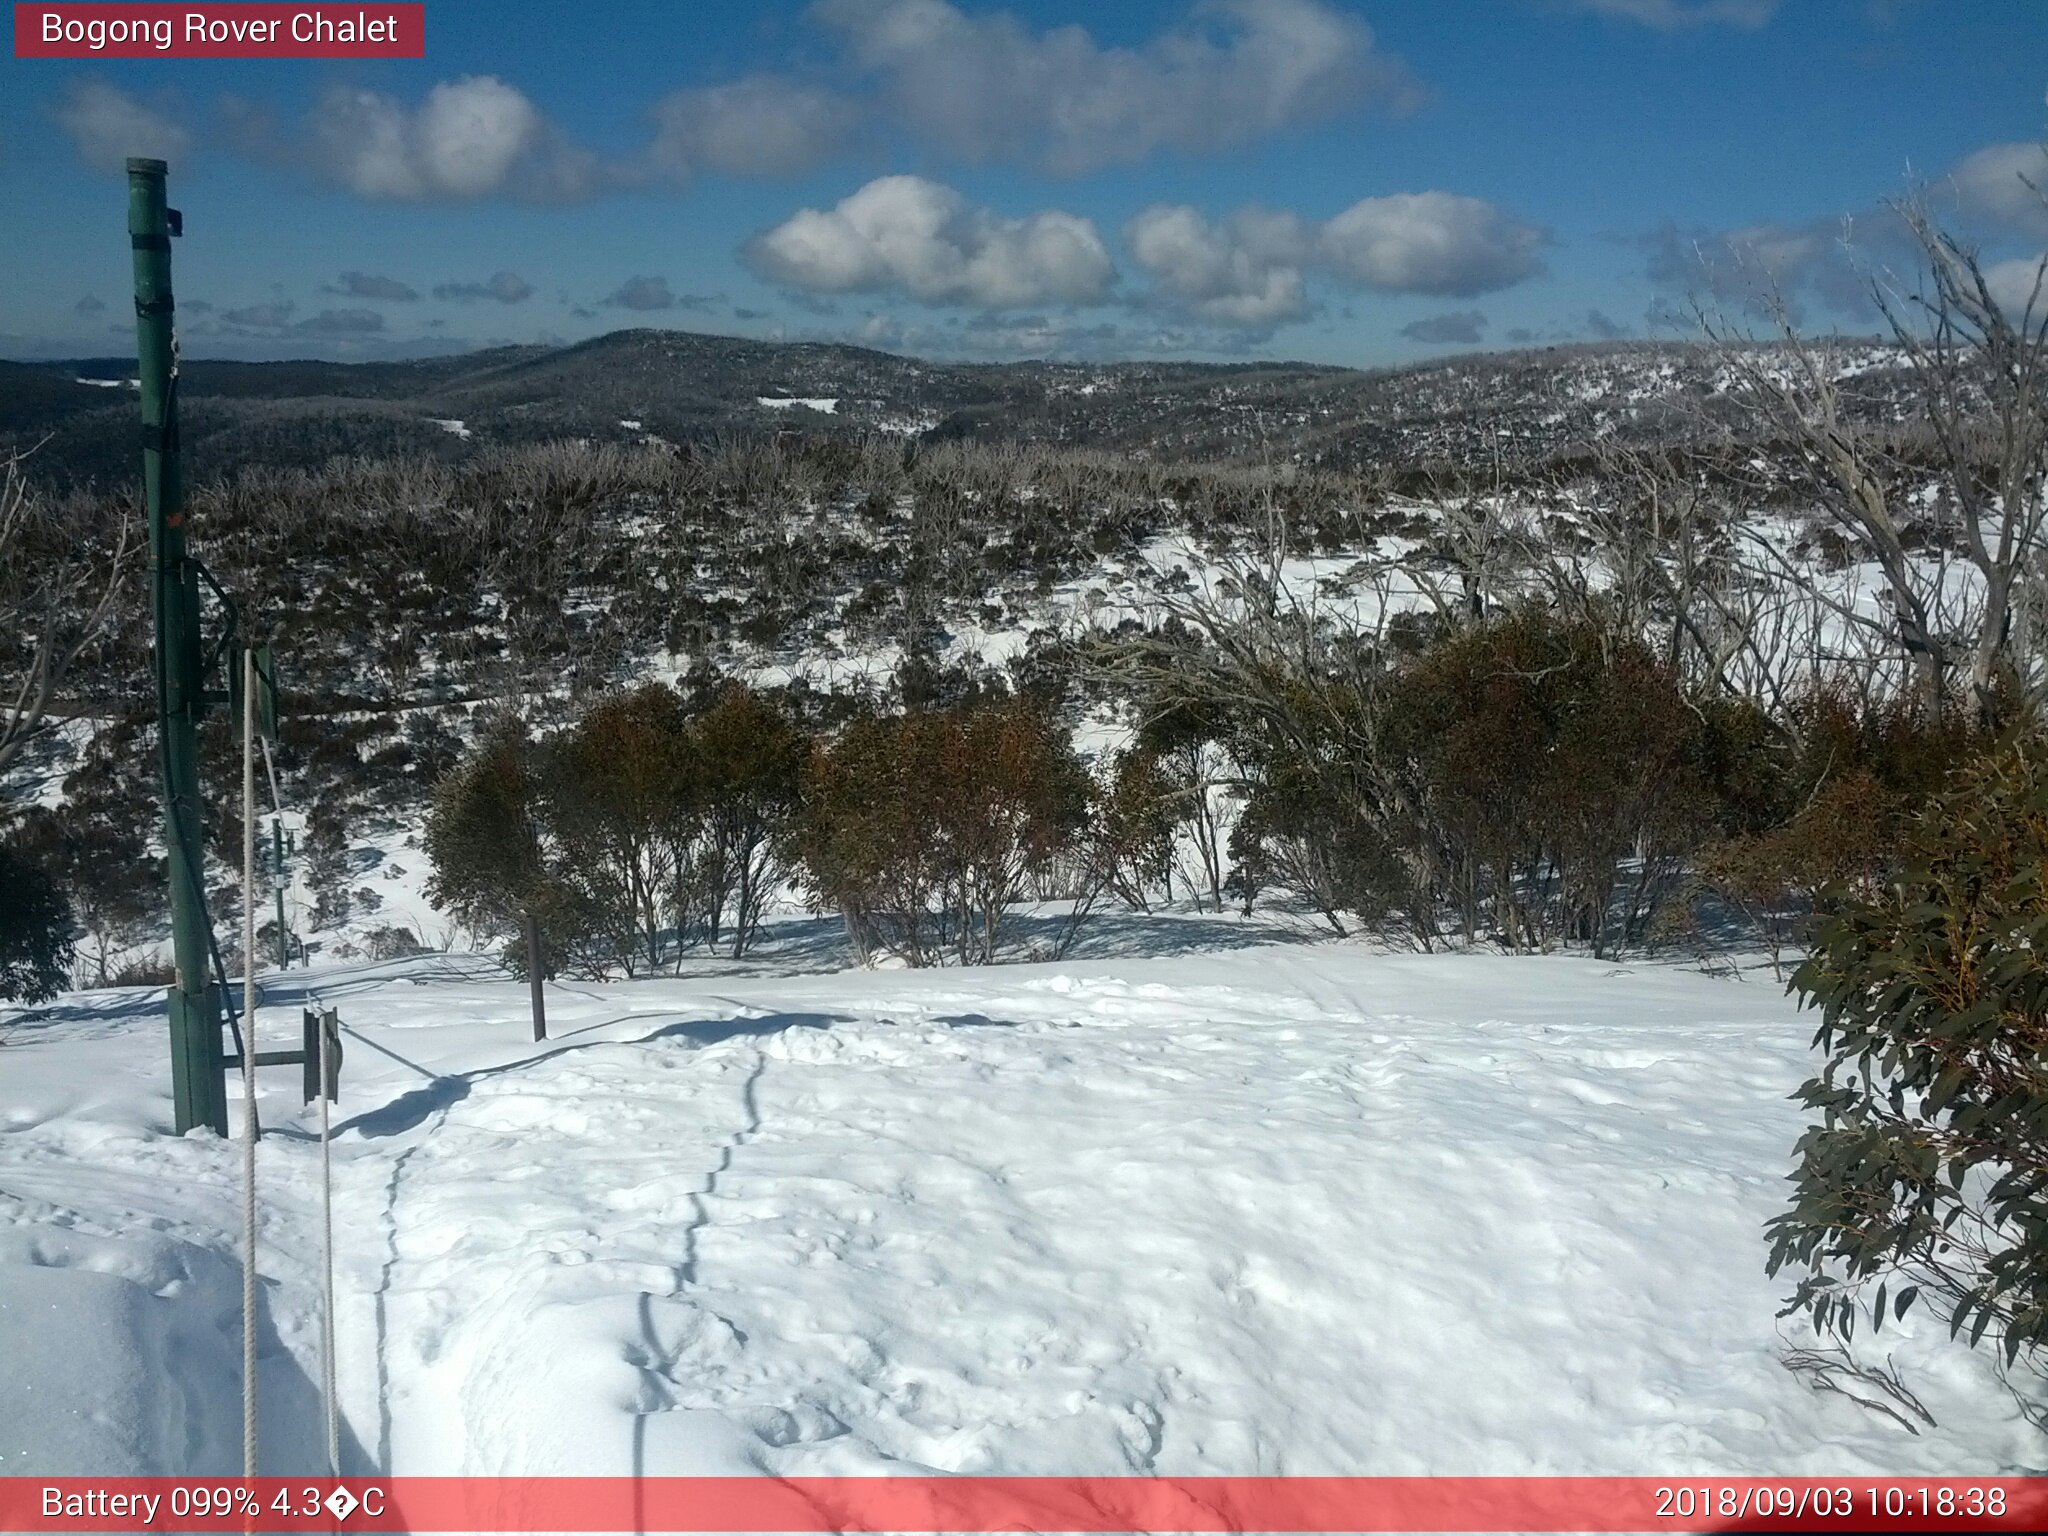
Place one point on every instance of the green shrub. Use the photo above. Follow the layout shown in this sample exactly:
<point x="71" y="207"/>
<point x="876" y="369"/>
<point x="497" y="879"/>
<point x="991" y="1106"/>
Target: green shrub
<point x="924" y="829"/>
<point x="482" y="834"/>
<point x="1308" y="828"/>
<point x="746" y="766"/>
<point x="1559" y="773"/>
<point x="36" y="931"/>
<point x="615" y="801"/>
<point x="1826" y="801"/>
<point x="1927" y="1174"/>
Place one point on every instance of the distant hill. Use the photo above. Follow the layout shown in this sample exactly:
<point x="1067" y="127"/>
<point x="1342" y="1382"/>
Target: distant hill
<point x="682" y="386"/>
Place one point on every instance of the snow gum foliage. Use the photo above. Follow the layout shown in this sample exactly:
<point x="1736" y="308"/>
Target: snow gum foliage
<point x="1927" y="1173"/>
<point x="1827" y="804"/>
<point x="654" y="822"/>
<point x="1547" y="755"/>
<point x="636" y="831"/>
<point x="96" y="856"/>
<point x="36" y="932"/>
<point x="481" y="833"/>
<point x="925" y="828"/>
<point x="1533" y="777"/>
<point x="747" y="769"/>
<point x="616" y="798"/>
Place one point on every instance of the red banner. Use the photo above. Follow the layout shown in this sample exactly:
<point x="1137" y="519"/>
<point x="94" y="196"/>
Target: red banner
<point x="1080" y="1504"/>
<point x="217" y="31"/>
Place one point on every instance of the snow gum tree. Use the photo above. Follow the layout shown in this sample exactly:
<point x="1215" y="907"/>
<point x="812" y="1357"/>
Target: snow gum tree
<point x="101" y="862"/>
<point x="617" y="803"/>
<point x="1927" y="1172"/>
<point x="1190" y="744"/>
<point x="36" y="932"/>
<point x="61" y="569"/>
<point x="924" y="829"/>
<point x="483" y="837"/>
<point x="1551" y="754"/>
<point x="1974" y="342"/>
<point x="1136" y="803"/>
<point x="327" y="870"/>
<point x="746" y="775"/>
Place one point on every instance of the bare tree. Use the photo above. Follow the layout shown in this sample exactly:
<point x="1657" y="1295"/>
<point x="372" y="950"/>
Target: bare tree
<point x="1293" y="665"/>
<point x="57" y="596"/>
<point x="1978" y="362"/>
<point x="1725" y="607"/>
<point x="1974" y="359"/>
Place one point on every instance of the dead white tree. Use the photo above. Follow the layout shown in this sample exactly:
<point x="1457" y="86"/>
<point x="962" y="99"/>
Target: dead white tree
<point x="1980" y="365"/>
<point x="1849" y="469"/>
<point x="57" y="596"/>
<point x="1719" y="595"/>
<point x="1973" y="352"/>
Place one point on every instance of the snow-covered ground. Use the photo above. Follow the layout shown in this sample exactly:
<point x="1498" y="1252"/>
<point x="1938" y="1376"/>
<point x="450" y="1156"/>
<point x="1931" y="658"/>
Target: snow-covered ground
<point x="1180" y="1208"/>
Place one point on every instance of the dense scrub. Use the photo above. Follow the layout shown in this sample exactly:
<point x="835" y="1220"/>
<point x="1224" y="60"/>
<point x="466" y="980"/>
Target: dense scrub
<point x="658" y="822"/>
<point x="924" y="829"/>
<point x="640" y="831"/>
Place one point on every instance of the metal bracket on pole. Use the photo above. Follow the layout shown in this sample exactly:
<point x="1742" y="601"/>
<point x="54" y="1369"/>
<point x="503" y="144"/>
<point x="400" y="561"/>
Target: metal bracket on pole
<point x="314" y="1022"/>
<point x="325" y="1021"/>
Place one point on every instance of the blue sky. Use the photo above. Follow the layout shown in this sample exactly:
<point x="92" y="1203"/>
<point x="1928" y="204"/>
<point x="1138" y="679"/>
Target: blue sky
<point x="1355" y="183"/>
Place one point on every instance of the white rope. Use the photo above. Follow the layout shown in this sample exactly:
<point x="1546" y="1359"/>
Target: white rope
<point x="249" y="1120"/>
<point x="270" y="769"/>
<point x="329" y="1396"/>
<point x="248" y="1063"/>
<point x="284" y="942"/>
<point x="327" y="1225"/>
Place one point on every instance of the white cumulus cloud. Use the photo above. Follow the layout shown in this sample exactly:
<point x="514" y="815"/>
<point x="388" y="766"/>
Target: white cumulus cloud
<point x="987" y="86"/>
<point x="1245" y="271"/>
<point x="1249" y="270"/>
<point x="921" y="238"/>
<point x="2005" y="183"/>
<point x="2020" y="286"/>
<point x="1431" y="242"/>
<point x="762" y="125"/>
<point x="107" y="125"/>
<point x="469" y="138"/>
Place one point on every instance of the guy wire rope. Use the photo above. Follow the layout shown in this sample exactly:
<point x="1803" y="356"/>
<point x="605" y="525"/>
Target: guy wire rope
<point x="327" y="1372"/>
<point x="248" y="1063"/>
<point x="327" y="1256"/>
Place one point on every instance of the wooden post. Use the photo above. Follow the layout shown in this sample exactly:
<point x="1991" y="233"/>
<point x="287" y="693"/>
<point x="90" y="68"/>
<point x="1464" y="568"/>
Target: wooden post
<point x="533" y="976"/>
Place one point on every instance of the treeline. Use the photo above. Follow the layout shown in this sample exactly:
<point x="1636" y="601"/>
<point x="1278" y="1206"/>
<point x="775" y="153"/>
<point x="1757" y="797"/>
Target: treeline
<point x="385" y="577"/>
<point x="648" y="828"/>
<point x="1530" y="779"/>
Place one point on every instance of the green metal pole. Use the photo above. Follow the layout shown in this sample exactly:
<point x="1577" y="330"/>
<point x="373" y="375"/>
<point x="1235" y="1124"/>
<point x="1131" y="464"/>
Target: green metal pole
<point x="198" y="1076"/>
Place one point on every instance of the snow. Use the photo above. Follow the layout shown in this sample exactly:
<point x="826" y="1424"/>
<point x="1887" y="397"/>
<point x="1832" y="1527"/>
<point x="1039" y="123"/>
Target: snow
<point x="1202" y="1203"/>
<point x="823" y="407"/>
<point x="905" y="424"/>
